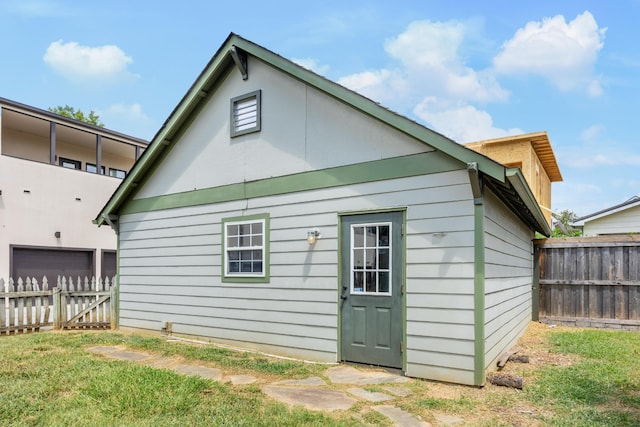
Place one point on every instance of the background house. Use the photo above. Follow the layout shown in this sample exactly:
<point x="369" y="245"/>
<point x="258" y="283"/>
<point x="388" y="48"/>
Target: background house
<point x="279" y="211"/>
<point x="54" y="174"/>
<point x="533" y="154"/>
<point x="623" y="218"/>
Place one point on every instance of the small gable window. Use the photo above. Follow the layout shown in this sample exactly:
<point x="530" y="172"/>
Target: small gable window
<point x="246" y="251"/>
<point x="245" y="114"/>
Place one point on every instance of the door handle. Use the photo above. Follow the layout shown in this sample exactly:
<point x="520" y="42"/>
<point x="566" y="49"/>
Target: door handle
<point x="344" y="292"/>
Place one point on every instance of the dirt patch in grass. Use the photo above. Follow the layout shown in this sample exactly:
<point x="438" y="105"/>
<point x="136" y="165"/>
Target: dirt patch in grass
<point x="496" y="405"/>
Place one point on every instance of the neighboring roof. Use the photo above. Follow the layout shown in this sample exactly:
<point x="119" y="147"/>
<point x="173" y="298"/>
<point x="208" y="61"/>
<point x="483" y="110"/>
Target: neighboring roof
<point x="48" y="115"/>
<point x="541" y="145"/>
<point x="631" y="203"/>
<point x="227" y="56"/>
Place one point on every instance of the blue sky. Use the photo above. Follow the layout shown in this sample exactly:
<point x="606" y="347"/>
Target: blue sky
<point x="471" y="70"/>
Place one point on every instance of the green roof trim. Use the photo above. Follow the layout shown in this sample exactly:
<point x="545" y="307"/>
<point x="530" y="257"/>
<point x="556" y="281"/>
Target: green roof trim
<point x="208" y="80"/>
<point x="379" y="170"/>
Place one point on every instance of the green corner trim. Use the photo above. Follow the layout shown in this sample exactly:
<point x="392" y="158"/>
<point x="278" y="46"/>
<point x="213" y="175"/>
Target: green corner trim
<point x="379" y="170"/>
<point x="479" y="296"/>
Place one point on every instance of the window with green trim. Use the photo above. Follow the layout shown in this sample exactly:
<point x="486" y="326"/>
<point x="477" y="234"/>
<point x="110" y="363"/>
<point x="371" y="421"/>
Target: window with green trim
<point x="246" y="248"/>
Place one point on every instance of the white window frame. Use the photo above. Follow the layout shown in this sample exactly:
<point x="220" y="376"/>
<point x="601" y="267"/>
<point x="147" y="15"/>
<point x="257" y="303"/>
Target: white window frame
<point x="252" y="115"/>
<point x="263" y="247"/>
<point x="377" y="269"/>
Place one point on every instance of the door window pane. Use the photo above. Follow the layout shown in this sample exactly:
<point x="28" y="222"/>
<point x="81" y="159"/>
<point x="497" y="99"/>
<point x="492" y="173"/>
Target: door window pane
<point x="371" y="258"/>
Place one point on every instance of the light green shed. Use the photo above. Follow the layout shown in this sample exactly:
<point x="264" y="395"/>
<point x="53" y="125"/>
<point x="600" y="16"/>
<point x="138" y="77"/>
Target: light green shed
<point x="279" y="211"/>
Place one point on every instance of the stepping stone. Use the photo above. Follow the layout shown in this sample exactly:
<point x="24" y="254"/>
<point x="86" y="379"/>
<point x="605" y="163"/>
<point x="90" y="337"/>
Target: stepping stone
<point x="368" y="395"/>
<point x="312" y="398"/>
<point x="305" y="381"/>
<point x="199" y="371"/>
<point x="102" y="349"/>
<point x="447" y="420"/>
<point x="398" y="391"/>
<point x="400" y="417"/>
<point x="349" y="375"/>
<point x="242" y="379"/>
<point x="161" y="362"/>
<point x="133" y="356"/>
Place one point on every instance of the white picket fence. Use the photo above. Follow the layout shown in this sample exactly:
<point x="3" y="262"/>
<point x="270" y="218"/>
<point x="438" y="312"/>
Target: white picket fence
<point x="28" y="306"/>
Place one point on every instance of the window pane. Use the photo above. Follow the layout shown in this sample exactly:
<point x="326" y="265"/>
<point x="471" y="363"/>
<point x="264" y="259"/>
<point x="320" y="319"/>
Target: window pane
<point x="383" y="236"/>
<point x="358" y="259"/>
<point x="358" y="279"/>
<point x="234" y="267"/>
<point x="371" y="259"/>
<point x="232" y="230"/>
<point x="383" y="282"/>
<point x="239" y="238"/>
<point x="371" y="237"/>
<point x="358" y="237"/>
<point x="383" y="258"/>
<point x="371" y="281"/>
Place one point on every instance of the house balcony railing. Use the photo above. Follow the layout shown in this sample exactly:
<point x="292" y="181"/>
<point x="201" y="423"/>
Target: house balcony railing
<point x="41" y="136"/>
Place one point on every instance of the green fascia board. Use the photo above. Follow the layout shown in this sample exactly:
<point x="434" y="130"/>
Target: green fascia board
<point x="379" y="170"/>
<point x="519" y="183"/>
<point x="219" y="63"/>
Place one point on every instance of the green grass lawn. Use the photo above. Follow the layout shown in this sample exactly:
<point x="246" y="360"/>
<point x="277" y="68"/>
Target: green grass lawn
<point x="50" y="379"/>
<point x="602" y="388"/>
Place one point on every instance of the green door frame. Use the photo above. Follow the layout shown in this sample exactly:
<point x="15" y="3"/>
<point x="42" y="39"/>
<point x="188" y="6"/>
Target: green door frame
<point x="403" y="302"/>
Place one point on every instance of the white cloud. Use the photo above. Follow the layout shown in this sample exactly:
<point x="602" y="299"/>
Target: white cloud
<point x="312" y="64"/>
<point x="460" y="121"/>
<point x="427" y="63"/>
<point x="612" y="157"/>
<point x="96" y="64"/>
<point x="562" y="52"/>
<point x="129" y="119"/>
<point x="427" y="66"/>
<point x="591" y="135"/>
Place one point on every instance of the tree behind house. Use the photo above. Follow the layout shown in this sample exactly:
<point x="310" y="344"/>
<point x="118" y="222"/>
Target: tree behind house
<point x="72" y="113"/>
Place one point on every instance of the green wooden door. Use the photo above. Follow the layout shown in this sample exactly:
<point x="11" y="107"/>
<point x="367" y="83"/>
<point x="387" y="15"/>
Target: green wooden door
<point x="371" y="289"/>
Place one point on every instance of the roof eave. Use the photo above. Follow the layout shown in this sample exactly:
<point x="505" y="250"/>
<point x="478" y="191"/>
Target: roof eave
<point x="517" y="180"/>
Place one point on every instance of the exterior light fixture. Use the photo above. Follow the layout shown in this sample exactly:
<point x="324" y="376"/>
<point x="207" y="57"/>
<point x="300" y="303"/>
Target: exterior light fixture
<point x="312" y="235"/>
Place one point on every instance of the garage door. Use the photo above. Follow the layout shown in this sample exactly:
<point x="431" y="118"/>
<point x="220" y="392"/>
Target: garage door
<point x="38" y="263"/>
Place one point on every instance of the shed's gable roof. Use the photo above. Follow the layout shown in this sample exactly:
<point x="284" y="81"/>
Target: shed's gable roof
<point x="230" y="54"/>
<point x="626" y="205"/>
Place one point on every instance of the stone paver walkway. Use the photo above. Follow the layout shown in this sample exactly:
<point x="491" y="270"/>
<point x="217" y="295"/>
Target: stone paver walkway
<point x="313" y="393"/>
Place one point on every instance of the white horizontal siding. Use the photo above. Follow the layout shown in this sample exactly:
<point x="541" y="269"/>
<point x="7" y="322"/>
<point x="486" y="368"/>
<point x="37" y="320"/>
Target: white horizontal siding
<point x="623" y="222"/>
<point x="508" y="278"/>
<point x="170" y="270"/>
<point x="439" y="279"/>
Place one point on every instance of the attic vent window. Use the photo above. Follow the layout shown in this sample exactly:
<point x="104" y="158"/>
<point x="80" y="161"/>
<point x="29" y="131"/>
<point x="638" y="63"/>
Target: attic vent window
<point x="245" y="114"/>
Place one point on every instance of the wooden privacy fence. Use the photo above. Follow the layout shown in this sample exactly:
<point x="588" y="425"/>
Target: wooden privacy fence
<point x="27" y="306"/>
<point x="589" y="281"/>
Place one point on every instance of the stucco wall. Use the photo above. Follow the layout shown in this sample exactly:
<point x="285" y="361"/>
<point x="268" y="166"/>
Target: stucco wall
<point x="31" y="218"/>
